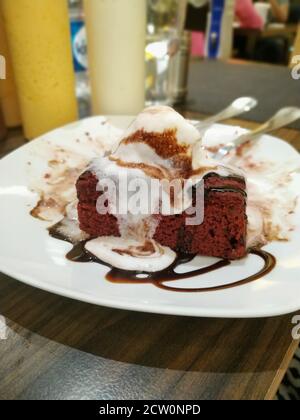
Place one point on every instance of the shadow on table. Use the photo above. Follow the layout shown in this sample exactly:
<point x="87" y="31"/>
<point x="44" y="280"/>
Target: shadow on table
<point x="160" y="341"/>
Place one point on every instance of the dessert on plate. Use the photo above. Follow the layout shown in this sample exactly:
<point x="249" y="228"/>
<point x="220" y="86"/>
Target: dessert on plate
<point x="161" y="144"/>
<point x="149" y="199"/>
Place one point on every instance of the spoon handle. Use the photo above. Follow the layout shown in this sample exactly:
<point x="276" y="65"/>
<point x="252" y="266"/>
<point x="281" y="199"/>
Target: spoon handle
<point x="282" y="118"/>
<point x="237" y="107"/>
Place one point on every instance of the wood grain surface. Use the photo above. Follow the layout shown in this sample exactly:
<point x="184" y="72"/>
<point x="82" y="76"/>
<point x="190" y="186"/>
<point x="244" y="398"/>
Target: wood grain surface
<point x="58" y="348"/>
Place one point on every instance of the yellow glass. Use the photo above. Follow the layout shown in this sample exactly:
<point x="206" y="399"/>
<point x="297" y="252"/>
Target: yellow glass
<point x="8" y="94"/>
<point x="38" y="33"/>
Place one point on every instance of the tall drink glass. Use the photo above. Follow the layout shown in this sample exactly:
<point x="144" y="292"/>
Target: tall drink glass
<point x="38" y="33"/>
<point x="116" y="31"/>
<point x="167" y="52"/>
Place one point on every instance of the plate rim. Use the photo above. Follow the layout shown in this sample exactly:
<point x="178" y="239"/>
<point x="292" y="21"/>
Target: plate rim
<point x="153" y="308"/>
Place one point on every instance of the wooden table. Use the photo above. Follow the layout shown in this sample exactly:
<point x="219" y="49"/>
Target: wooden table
<point x="58" y="348"/>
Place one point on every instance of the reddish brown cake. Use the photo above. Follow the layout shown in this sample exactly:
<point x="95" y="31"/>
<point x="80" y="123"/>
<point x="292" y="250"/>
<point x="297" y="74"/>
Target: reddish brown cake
<point x="222" y="233"/>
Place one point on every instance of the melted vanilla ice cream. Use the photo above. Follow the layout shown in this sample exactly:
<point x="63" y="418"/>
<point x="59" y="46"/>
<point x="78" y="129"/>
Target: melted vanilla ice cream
<point x="156" y="137"/>
<point x="127" y="255"/>
<point x="159" y="119"/>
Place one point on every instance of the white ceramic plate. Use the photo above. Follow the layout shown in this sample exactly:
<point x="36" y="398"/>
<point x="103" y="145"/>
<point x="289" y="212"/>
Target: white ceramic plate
<point x="30" y="255"/>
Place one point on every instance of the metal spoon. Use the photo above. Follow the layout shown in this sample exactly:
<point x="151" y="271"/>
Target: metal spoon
<point x="237" y="107"/>
<point x="282" y="118"/>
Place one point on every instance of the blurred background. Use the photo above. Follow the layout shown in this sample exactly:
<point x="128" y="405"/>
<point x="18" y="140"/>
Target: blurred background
<point x="73" y="58"/>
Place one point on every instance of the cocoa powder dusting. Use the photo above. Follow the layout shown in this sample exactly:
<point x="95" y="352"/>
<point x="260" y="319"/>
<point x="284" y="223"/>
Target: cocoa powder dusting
<point x="165" y="144"/>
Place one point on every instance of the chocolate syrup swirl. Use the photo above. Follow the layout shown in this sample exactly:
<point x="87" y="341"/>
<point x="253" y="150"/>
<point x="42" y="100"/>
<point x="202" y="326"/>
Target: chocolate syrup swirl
<point x="159" y="278"/>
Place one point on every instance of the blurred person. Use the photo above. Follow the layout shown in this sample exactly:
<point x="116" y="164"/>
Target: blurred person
<point x="271" y="50"/>
<point x="275" y="49"/>
<point x="248" y="18"/>
<point x="247" y="15"/>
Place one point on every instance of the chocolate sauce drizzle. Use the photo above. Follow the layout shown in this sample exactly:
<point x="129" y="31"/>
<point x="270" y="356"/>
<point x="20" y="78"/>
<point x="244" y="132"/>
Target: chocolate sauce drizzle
<point x="159" y="278"/>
